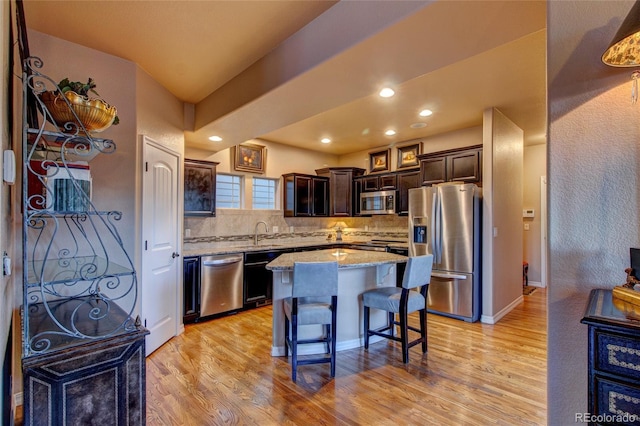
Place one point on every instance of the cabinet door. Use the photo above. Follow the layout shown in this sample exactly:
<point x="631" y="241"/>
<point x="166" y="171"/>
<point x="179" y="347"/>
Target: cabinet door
<point x="406" y="181"/>
<point x="387" y="182"/>
<point x="304" y="198"/>
<point x="370" y="184"/>
<point x="340" y="193"/>
<point x="191" y="288"/>
<point x="320" y="197"/>
<point x="357" y="190"/>
<point x="464" y="167"/>
<point x="433" y="170"/>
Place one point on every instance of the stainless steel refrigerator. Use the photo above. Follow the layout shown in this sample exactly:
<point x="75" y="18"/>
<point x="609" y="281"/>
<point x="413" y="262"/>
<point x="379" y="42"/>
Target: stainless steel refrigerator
<point x="445" y="220"/>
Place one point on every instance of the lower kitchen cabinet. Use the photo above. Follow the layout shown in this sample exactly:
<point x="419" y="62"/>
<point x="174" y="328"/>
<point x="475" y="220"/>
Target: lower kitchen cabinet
<point x="191" y="289"/>
<point x="258" y="281"/>
<point x="614" y="362"/>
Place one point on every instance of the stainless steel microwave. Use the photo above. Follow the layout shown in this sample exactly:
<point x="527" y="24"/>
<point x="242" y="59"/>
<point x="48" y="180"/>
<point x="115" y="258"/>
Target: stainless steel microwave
<point x="378" y="202"/>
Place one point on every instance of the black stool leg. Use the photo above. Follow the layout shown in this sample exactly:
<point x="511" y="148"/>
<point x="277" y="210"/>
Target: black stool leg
<point x="333" y="334"/>
<point x="366" y="327"/>
<point x="404" y="337"/>
<point x="294" y="347"/>
<point x="423" y="329"/>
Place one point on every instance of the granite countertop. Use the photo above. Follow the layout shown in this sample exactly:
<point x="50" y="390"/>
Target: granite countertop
<point x="346" y="258"/>
<point x="228" y="249"/>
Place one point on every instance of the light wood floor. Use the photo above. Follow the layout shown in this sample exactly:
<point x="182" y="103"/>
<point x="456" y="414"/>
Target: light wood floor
<point x="221" y="372"/>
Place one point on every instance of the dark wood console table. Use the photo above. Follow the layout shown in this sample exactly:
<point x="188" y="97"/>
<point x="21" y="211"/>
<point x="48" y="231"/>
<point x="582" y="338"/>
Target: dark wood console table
<point x="614" y="362"/>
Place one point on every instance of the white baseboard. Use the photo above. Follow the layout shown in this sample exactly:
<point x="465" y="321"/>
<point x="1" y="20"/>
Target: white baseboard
<point x="492" y="319"/>
<point x="535" y="284"/>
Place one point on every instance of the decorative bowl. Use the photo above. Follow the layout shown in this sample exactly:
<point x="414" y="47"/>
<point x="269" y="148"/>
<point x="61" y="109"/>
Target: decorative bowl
<point x="94" y="114"/>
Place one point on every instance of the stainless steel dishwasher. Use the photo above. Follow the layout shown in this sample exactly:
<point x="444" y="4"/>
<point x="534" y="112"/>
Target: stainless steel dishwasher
<point x="220" y="284"/>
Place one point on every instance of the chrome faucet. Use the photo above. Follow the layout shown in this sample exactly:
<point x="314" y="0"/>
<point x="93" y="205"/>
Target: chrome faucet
<point x="255" y="231"/>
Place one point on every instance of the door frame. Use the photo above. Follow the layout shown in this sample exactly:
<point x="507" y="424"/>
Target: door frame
<point x="543" y="231"/>
<point x="147" y="141"/>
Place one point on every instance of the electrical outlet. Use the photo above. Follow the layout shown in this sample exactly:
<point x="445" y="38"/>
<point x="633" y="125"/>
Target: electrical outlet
<point x="275" y="229"/>
<point x="526" y="226"/>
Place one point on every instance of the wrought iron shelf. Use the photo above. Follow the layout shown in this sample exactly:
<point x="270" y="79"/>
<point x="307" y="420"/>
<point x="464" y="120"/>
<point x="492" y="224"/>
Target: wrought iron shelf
<point x="79" y="281"/>
<point x="60" y="146"/>
<point x="73" y="269"/>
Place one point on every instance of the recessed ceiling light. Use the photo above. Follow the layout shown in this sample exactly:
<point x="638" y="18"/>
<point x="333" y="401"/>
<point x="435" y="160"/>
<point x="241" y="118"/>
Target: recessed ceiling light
<point x="418" y="125"/>
<point x="215" y="138"/>
<point x="387" y="92"/>
<point x="325" y="140"/>
<point x="390" y="132"/>
<point x="425" y="113"/>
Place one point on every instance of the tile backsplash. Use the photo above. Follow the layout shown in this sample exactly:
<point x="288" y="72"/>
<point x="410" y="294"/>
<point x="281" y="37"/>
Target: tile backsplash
<point x="237" y="227"/>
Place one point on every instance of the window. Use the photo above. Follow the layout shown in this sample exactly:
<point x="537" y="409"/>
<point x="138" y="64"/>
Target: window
<point x="264" y="193"/>
<point x="228" y="191"/>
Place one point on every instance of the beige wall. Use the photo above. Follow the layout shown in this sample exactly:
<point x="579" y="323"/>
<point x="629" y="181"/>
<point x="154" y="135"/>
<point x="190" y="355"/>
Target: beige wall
<point x="535" y="166"/>
<point x="502" y="212"/>
<point x="7" y="283"/>
<point x="593" y="176"/>
<point x="449" y="140"/>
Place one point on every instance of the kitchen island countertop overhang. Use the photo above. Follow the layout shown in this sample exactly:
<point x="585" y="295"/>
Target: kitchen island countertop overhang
<point x="358" y="271"/>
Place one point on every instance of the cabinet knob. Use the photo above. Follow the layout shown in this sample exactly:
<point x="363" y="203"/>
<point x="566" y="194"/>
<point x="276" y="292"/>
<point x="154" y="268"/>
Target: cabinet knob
<point x="174" y="255"/>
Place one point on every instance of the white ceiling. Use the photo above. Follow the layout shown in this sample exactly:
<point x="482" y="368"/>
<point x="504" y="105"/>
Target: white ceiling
<point x="296" y="71"/>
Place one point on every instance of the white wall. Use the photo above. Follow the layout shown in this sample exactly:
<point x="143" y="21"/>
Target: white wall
<point x="502" y="223"/>
<point x="593" y="177"/>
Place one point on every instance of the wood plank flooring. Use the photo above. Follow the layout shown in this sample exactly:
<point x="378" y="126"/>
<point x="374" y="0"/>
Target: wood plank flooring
<point x="221" y="372"/>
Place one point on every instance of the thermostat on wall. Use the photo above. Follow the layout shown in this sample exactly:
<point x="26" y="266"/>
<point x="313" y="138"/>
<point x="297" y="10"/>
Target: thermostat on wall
<point x="528" y="213"/>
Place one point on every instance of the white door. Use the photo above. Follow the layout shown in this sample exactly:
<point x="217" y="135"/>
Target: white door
<point x="160" y="244"/>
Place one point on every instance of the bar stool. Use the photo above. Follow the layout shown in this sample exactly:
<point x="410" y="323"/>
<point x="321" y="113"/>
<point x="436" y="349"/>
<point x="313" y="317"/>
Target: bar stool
<point x="313" y="284"/>
<point x="402" y="301"/>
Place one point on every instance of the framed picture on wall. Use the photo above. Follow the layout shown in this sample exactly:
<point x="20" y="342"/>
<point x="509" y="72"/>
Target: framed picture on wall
<point x="379" y="161"/>
<point x="408" y="155"/>
<point x="199" y="188"/>
<point x="250" y="158"/>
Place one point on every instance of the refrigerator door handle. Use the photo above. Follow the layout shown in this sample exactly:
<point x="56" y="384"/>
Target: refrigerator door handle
<point x="434" y="248"/>
<point x="448" y="276"/>
<point x="438" y="228"/>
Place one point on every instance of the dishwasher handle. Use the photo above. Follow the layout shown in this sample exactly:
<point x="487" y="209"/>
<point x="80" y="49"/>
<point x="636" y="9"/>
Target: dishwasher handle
<point x="219" y="262"/>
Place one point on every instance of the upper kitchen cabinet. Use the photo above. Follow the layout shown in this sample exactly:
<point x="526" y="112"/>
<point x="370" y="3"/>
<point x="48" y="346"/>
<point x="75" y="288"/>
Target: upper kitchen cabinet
<point x="199" y="188"/>
<point x="305" y="195"/>
<point x="406" y="181"/>
<point x="380" y="182"/>
<point x="340" y="189"/>
<point x="457" y="165"/>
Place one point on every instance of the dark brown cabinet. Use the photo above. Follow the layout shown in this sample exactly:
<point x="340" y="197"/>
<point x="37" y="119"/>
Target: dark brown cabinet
<point x="340" y="188"/>
<point x="191" y="288"/>
<point x="406" y="181"/>
<point x="305" y="195"/>
<point x="459" y="165"/>
<point x="383" y="182"/>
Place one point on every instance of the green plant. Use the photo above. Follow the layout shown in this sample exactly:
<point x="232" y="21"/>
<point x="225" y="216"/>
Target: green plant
<point x="82" y="89"/>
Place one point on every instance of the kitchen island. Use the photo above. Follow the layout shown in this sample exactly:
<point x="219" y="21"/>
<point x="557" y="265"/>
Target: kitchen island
<point x="358" y="271"/>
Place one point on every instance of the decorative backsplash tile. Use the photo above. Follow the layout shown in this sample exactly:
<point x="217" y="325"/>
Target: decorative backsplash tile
<point x="237" y="227"/>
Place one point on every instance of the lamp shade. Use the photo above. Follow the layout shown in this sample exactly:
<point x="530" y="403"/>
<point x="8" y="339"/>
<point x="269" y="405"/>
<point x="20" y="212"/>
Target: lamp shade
<point x="340" y="225"/>
<point x="624" y="49"/>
